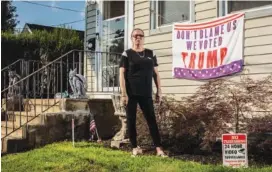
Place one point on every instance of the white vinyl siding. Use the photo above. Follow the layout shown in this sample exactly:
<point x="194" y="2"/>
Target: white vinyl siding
<point x="257" y="45"/>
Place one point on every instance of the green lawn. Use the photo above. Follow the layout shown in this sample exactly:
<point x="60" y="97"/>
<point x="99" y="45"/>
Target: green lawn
<point x="93" y="157"/>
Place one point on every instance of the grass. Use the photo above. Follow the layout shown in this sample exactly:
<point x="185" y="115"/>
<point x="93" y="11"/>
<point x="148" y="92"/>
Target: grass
<point x="59" y="157"/>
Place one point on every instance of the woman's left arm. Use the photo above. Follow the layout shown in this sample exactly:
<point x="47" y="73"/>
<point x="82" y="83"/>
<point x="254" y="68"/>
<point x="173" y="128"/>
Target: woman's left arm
<point x="157" y="78"/>
<point x="157" y="81"/>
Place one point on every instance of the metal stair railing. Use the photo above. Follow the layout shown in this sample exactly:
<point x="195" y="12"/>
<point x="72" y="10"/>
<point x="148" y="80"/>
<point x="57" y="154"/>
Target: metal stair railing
<point x="39" y="88"/>
<point x="21" y="67"/>
<point x="36" y="93"/>
<point x="12" y="64"/>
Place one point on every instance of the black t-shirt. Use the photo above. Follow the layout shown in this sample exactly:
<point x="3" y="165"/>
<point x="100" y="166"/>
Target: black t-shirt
<point x="139" y="71"/>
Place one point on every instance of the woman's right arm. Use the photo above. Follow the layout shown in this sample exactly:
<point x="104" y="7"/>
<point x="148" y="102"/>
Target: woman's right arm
<point x="122" y="81"/>
<point x="122" y="69"/>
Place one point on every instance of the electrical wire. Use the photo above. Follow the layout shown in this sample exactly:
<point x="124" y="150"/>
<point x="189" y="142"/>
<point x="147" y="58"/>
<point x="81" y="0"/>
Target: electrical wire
<point x="49" y="6"/>
<point x="76" y="21"/>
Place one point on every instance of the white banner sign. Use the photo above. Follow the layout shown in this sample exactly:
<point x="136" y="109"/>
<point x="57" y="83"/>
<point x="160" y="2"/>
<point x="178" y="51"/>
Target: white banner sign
<point x="208" y="50"/>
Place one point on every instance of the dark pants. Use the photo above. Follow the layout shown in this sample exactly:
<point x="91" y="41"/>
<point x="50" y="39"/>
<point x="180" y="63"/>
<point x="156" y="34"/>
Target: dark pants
<point x="146" y="104"/>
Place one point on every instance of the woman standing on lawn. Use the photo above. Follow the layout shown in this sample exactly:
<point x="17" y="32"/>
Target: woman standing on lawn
<point x="137" y="67"/>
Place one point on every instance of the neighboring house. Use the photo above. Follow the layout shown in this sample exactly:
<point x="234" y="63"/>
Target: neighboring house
<point x="29" y="28"/>
<point x="118" y="18"/>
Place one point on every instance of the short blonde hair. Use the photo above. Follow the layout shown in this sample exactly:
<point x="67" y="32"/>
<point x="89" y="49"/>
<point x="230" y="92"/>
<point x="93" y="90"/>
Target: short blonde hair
<point x="135" y="30"/>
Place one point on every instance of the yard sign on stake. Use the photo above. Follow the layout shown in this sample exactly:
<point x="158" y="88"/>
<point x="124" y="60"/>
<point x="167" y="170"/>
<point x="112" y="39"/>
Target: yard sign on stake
<point x="234" y="150"/>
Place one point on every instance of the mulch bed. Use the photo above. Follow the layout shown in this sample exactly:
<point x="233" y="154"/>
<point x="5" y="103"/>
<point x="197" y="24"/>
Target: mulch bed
<point x="211" y="158"/>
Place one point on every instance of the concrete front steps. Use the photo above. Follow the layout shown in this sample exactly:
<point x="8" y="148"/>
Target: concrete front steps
<point x="17" y="120"/>
<point x="21" y="118"/>
<point x="39" y="105"/>
<point x="15" y="141"/>
<point x="31" y="127"/>
<point x="16" y="134"/>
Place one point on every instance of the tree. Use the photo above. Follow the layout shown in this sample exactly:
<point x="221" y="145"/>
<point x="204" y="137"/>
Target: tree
<point x="8" y="16"/>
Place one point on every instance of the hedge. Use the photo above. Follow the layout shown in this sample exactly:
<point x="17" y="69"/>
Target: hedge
<point x="28" y="46"/>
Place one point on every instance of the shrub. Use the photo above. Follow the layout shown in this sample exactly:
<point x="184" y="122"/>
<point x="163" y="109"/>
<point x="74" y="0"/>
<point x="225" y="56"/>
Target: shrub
<point x="185" y="127"/>
<point x="217" y="107"/>
<point x="260" y="135"/>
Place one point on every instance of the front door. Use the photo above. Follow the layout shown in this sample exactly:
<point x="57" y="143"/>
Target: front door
<point x="111" y="42"/>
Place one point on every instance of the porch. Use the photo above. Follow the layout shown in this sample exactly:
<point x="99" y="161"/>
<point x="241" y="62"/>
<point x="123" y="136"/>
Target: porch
<point x="43" y="91"/>
<point x="101" y="71"/>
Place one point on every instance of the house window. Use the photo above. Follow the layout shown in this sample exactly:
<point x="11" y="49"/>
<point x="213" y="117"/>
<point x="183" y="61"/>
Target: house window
<point x="226" y="7"/>
<point x="165" y="13"/>
<point x="113" y="9"/>
<point x="243" y="5"/>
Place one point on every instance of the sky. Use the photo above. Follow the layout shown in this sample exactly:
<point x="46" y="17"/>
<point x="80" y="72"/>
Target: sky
<point x="35" y="14"/>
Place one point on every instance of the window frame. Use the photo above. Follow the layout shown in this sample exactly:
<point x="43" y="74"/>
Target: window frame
<point x="254" y="12"/>
<point x="155" y="18"/>
<point x="119" y="16"/>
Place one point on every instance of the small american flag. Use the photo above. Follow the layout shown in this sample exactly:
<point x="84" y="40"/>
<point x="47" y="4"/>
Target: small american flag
<point x="92" y="126"/>
<point x="93" y="129"/>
